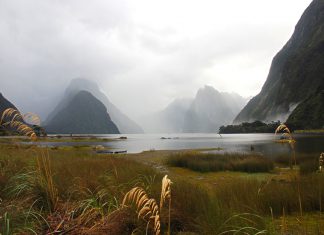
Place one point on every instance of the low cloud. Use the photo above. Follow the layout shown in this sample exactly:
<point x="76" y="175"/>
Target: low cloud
<point x="143" y="54"/>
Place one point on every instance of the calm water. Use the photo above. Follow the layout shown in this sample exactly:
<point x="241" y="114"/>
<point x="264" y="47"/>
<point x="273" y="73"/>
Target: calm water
<point x="263" y="143"/>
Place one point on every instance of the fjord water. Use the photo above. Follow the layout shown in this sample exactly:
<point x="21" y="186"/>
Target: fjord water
<point x="263" y="143"/>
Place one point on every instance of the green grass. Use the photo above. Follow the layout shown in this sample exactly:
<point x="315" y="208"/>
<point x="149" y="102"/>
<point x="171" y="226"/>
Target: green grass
<point x="90" y="188"/>
<point x="205" y="162"/>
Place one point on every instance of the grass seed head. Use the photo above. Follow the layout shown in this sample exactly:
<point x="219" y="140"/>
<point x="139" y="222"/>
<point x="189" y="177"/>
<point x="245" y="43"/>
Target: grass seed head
<point x="166" y="190"/>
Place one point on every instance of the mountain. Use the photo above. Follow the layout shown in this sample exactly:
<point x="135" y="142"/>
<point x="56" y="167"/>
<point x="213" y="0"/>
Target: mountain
<point x="82" y="114"/>
<point x="211" y="109"/>
<point x="296" y="77"/>
<point x="124" y="124"/>
<point x="309" y="114"/>
<point x="169" y="120"/>
<point x="5" y="104"/>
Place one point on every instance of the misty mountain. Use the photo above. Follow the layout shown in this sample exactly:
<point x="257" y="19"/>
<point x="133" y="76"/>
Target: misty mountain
<point x="296" y="79"/>
<point x="211" y="109"/>
<point x="309" y="114"/>
<point x="169" y="120"/>
<point x="124" y="124"/>
<point x="82" y="114"/>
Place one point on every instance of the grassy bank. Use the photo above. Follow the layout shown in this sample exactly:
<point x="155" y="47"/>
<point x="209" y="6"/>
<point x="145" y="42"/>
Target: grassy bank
<point x="77" y="191"/>
<point x="207" y="162"/>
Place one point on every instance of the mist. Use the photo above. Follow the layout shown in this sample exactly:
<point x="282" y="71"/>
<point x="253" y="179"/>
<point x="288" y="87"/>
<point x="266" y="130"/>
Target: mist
<point x="142" y="54"/>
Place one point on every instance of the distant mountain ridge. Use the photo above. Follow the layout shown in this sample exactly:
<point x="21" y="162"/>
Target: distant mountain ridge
<point x="82" y="114"/>
<point x="169" y="120"/>
<point x="209" y="110"/>
<point x="296" y="75"/>
<point x="124" y="124"/>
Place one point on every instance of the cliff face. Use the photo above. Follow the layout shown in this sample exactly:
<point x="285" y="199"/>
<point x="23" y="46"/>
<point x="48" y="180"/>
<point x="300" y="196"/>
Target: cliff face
<point x="309" y="114"/>
<point x="82" y="114"/>
<point x="296" y="73"/>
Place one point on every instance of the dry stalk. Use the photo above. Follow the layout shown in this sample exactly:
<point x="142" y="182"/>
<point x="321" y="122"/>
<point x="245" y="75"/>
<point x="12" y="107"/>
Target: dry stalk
<point x="321" y="162"/>
<point x="46" y="178"/>
<point x="146" y="208"/>
<point x="32" y="118"/>
<point x="16" y="122"/>
<point x="166" y="195"/>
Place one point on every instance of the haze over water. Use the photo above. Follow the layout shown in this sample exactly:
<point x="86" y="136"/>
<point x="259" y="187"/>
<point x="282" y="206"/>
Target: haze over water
<point x="263" y="143"/>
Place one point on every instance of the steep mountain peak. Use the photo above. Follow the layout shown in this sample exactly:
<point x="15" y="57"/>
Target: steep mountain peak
<point x="83" y="114"/>
<point x="78" y="84"/>
<point x="207" y="90"/>
<point x="124" y="123"/>
<point x="210" y="109"/>
<point x="296" y="72"/>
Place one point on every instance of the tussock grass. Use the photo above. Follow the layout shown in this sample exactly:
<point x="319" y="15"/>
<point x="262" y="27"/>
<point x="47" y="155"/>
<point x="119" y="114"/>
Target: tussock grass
<point x="147" y="208"/>
<point x="14" y="120"/>
<point x="74" y="191"/>
<point x="80" y="187"/>
<point x="205" y="162"/>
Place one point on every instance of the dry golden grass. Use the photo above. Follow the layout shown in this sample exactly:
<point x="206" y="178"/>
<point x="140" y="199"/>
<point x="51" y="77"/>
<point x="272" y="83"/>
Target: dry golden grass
<point x="286" y="133"/>
<point x="282" y="127"/>
<point x="12" y="118"/>
<point x="32" y="118"/>
<point x="45" y="175"/>
<point x="321" y="162"/>
<point x="166" y="195"/>
<point x="166" y="190"/>
<point x="147" y="208"/>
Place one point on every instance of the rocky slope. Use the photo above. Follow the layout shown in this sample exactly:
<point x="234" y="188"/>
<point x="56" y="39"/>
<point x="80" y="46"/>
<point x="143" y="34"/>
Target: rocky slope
<point x="296" y="75"/>
<point x="309" y="114"/>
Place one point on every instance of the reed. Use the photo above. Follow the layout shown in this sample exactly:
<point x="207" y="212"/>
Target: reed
<point x="12" y="119"/>
<point x="45" y="179"/>
<point x="320" y="162"/>
<point x="283" y="128"/>
<point x="146" y="207"/>
<point x="166" y="195"/>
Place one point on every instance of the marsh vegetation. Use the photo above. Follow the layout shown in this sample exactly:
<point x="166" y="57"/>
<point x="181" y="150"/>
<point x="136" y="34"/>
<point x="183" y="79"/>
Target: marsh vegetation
<point x="74" y="190"/>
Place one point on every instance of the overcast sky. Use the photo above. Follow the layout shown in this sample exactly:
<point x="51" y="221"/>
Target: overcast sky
<point x="142" y="53"/>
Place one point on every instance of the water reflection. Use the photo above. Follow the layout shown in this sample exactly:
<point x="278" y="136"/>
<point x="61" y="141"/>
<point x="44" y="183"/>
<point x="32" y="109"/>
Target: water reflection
<point x="263" y="143"/>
